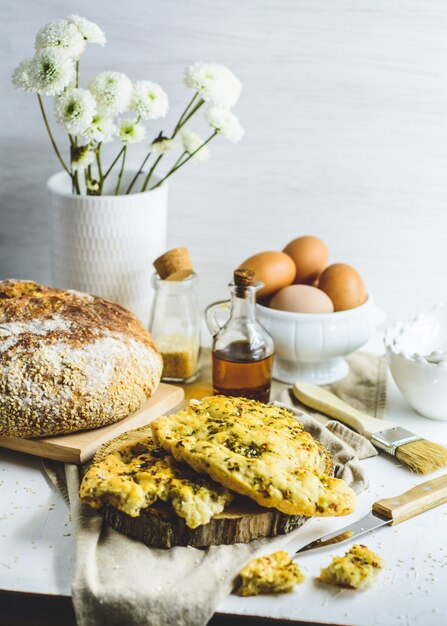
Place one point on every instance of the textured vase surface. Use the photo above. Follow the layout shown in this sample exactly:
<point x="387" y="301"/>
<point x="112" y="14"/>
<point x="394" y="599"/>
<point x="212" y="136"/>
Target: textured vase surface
<point x="105" y="245"/>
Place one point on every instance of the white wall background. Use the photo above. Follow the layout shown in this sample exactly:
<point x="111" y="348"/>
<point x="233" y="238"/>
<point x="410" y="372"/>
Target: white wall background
<point x="345" y="110"/>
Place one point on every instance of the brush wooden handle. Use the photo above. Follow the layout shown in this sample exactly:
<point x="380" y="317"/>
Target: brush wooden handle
<point x="326" y="402"/>
<point x="414" y="501"/>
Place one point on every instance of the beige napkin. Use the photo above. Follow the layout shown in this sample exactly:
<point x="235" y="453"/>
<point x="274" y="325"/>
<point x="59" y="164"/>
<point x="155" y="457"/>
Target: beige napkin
<point x="363" y="388"/>
<point x="121" y="581"/>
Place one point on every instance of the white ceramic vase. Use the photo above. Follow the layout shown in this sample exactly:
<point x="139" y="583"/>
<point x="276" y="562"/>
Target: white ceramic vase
<point x="105" y="245"/>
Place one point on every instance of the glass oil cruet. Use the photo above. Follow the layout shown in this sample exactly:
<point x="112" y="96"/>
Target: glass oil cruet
<point x="175" y="320"/>
<point x="242" y="351"/>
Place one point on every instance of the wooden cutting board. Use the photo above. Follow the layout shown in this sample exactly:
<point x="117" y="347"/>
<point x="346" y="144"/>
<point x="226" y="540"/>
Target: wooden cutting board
<point x="81" y="446"/>
<point x="241" y="522"/>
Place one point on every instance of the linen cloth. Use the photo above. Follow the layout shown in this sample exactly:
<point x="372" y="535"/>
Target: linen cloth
<point x="364" y="388"/>
<point x="118" y="580"/>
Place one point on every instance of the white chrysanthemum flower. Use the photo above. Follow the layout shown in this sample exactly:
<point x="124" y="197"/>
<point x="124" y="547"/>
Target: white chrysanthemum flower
<point x="214" y="82"/>
<point x="89" y="30"/>
<point x="21" y="78"/>
<point x="162" y="145"/>
<point x="62" y="35"/>
<point x="192" y="142"/>
<point x="225" y="122"/>
<point x="81" y="158"/>
<point x="112" y="91"/>
<point x="130" y="131"/>
<point x="50" y="71"/>
<point x="149" y="100"/>
<point x="74" y="110"/>
<point x="100" y="129"/>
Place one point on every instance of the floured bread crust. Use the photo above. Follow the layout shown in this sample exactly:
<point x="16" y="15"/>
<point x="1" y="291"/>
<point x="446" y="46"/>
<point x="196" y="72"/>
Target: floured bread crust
<point x="136" y="472"/>
<point x="69" y="361"/>
<point x="273" y="573"/>
<point x="257" y="450"/>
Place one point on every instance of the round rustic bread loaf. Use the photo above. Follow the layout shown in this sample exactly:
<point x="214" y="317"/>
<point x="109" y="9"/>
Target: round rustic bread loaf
<point x="69" y="361"/>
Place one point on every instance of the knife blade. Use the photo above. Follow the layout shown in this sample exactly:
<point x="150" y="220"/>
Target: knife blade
<point x="366" y="524"/>
<point x="389" y="511"/>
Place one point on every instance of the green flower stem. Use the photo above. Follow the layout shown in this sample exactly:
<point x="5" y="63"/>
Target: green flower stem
<point x="98" y="160"/>
<point x="139" y="172"/>
<point x="114" y="162"/>
<point x="184" y="117"/>
<point x="151" y="171"/>
<point x="76" y="183"/>
<point x="87" y="177"/>
<point x="177" y="167"/>
<point x="180" y="158"/>
<point x="120" y="175"/>
<point x="77" y="73"/>
<point x="176" y="164"/>
<point x="74" y="175"/>
<point x="189" y="116"/>
<point x="50" y="134"/>
<point x="191" y="102"/>
<point x="97" y="152"/>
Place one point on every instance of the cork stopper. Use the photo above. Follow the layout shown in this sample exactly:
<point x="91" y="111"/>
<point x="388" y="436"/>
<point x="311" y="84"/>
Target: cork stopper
<point x="174" y="265"/>
<point x="243" y="278"/>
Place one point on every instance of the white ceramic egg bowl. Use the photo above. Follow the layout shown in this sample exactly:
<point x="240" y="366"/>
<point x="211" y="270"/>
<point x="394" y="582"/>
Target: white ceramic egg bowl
<point x="417" y="356"/>
<point x="310" y="346"/>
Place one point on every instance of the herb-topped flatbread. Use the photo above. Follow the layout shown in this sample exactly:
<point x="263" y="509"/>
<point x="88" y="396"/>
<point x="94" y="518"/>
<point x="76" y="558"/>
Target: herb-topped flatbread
<point x="136" y="471"/>
<point x="274" y="573"/>
<point x="257" y="450"/>
<point x="356" y="569"/>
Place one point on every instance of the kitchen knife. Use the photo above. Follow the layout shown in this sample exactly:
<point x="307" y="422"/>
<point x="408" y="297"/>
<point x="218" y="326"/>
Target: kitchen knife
<point x="390" y="511"/>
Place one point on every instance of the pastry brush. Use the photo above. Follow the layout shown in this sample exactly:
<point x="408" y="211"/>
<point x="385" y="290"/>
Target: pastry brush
<point x="419" y="454"/>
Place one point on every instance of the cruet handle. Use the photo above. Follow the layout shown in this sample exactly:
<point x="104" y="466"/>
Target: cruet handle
<point x="211" y="317"/>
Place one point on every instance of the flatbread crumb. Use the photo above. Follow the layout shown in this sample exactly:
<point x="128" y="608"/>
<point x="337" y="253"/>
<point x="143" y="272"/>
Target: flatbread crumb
<point x="356" y="569"/>
<point x="273" y="573"/>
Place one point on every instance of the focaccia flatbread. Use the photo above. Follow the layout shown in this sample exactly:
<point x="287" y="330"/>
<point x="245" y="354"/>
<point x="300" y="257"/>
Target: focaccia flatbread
<point x="136" y="472"/>
<point x="258" y="450"/>
<point x="356" y="569"/>
<point x="273" y="573"/>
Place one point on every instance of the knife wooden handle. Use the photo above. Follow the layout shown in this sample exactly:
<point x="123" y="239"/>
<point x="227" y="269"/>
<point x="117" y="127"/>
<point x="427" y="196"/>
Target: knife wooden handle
<point x="414" y="501"/>
<point x="328" y="403"/>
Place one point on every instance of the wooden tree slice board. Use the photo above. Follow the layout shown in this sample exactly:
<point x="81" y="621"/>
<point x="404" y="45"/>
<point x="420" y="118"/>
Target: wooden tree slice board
<point x="158" y="526"/>
<point x="81" y="446"/>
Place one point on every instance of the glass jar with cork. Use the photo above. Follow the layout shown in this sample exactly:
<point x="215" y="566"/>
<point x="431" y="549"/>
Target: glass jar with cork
<point x="175" y="319"/>
<point x="242" y="350"/>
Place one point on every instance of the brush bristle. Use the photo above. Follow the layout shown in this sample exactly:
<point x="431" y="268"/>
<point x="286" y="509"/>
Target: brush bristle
<point x="423" y="456"/>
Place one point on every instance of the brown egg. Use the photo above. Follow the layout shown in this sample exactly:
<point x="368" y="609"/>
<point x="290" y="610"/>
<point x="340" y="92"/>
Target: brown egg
<point x="275" y="269"/>
<point x="302" y="299"/>
<point x="310" y="256"/>
<point x="344" y="286"/>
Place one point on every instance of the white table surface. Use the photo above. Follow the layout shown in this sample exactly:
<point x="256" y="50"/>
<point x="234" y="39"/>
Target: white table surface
<point x="36" y="546"/>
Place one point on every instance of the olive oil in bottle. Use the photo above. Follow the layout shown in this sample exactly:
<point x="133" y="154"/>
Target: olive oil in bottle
<point x="242" y="350"/>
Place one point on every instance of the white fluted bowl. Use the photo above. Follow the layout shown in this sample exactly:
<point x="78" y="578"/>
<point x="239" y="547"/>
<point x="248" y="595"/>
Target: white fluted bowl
<point x="410" y="348"/>
<point x="310" y="346"/>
